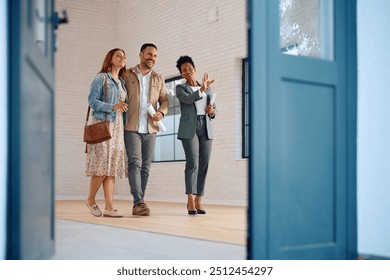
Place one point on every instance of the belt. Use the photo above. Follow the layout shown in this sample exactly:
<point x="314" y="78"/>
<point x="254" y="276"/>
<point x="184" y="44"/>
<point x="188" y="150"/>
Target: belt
<point x="201" y="116"/>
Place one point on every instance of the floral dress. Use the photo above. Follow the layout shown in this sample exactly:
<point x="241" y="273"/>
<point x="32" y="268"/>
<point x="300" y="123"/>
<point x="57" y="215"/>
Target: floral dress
<point x="109" y="158"/>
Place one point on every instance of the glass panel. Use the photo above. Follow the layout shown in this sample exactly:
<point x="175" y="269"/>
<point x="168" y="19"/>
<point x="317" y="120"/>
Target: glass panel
<point x="40" y="24"/>
<point x="246" y="147"/>
<point x="179" y="151"/>
<point x="167" y="146"/>
<point x="245" y="102"/>
<point x="177" y="120"/>
<point x="306" y="28"/>
<point x="163" y="150"/>
<point x="168" y="121"/>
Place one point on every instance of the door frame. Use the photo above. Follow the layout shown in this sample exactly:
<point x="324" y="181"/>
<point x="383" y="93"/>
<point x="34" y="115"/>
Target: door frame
<point x="4" y="14"/>
<point x="22" y="51"/>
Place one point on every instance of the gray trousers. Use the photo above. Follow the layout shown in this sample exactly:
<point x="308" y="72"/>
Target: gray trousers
<point x="198" y="152"/>
<point x="139" y="149"/>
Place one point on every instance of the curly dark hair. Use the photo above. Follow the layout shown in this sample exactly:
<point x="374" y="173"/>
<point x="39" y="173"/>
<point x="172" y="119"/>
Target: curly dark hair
<point x="184" y="59"/>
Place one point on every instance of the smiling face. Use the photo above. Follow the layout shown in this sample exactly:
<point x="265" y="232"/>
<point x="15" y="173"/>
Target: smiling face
<point x="148" y="57"/>
<point x="118" y="60"/>
<point x="188" y="71"/>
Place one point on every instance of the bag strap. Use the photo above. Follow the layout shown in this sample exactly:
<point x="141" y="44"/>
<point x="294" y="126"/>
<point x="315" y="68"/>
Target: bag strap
<point x="105" y="98"/>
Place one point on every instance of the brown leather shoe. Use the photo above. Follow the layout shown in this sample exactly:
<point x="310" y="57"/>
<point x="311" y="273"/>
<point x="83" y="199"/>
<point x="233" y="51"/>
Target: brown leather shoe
<point x="141" y="209"/>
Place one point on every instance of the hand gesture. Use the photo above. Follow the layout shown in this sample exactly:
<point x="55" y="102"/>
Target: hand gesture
<point x="206" y="82"/>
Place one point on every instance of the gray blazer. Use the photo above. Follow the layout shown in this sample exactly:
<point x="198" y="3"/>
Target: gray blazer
<point x="187" y="125"/>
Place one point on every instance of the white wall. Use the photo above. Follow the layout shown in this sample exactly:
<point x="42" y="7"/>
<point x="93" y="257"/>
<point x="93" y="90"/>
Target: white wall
<point x="82" y="46"/>
<point x="3" y="126"/>
<point x="373" y="127"/>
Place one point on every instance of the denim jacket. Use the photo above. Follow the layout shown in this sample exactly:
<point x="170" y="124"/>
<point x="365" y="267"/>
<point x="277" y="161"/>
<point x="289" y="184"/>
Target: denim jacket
<point x="96" y="97"/>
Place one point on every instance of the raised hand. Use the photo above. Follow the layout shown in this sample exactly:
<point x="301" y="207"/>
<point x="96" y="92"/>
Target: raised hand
<point x="206" y="82"/>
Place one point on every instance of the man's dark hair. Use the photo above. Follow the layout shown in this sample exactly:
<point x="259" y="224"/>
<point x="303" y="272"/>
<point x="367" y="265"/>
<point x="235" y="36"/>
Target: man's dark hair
<point x="184" y="59"/>
<point x="144" y="46"/>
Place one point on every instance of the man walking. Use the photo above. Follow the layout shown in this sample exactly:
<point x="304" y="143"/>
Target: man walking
<point x="144" y="87"/>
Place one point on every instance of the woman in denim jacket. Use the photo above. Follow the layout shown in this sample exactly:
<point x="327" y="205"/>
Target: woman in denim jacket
<point x="107" y="160"/>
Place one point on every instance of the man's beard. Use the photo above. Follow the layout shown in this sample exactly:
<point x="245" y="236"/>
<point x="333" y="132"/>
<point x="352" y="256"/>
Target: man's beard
<point x="147" y="65"/>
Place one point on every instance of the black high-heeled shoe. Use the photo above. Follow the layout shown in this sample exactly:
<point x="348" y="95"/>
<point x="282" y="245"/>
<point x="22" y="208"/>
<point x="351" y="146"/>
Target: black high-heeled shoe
<point x="200" y="211"/>
<point x="191" y="212"/>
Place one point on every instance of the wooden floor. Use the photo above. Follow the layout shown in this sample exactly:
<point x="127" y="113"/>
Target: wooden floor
<point x="226" y="224"/>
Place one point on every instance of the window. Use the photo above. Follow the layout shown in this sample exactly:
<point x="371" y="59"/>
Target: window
<point x="306" y="28"/>
<point x="245" y="109"/>
<point x="168" y="147"/>
<point x="40" y="25"/>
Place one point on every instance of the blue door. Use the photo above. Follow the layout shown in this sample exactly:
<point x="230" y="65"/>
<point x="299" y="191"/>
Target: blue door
<point x="30" y="209"/>
<point x="302" y="195"/>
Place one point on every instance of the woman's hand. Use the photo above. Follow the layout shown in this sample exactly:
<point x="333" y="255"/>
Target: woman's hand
<point x="210" y="109"/>
<point x="206" y="82"/>
<point x="121" y="106"/>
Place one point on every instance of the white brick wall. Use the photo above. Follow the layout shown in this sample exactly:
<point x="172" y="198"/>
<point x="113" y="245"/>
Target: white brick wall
<point x="177" y="27"/>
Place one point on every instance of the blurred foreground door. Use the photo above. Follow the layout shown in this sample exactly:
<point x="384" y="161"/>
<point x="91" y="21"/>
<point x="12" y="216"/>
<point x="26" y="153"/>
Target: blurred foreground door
<point x="30" y="226"/>
<point x="302" y="193"/>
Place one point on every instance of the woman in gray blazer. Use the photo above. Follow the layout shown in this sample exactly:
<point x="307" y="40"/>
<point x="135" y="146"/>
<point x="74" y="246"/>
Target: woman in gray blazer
<point x="195" y="130"/>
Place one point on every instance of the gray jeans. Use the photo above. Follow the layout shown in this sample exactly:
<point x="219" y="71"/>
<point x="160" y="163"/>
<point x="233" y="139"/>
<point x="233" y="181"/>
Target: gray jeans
<point x="139" y="149"/>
